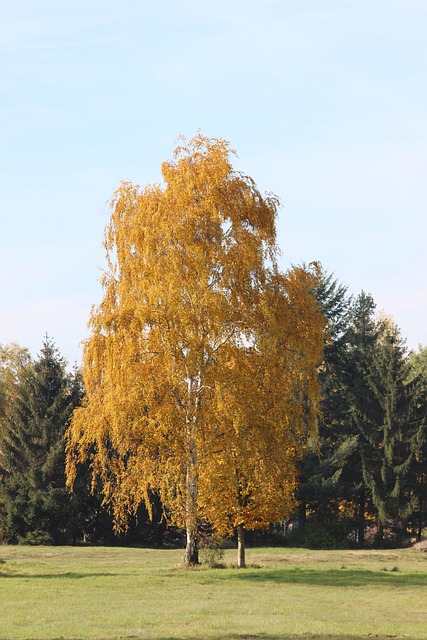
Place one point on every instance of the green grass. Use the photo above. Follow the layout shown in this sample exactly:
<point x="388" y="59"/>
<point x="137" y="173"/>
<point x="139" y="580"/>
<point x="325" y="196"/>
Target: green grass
<point x="100" y="593"/>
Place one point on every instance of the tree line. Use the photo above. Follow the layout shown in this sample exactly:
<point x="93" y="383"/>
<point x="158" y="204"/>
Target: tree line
<point x="365" y="479"/>
<point x="217" y="393"/>
<point x="362" y="480"/>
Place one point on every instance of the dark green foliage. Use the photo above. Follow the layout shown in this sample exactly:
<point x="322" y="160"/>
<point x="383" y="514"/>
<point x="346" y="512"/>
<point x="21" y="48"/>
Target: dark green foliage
<point x="416" y="480"/>
<point x="324" y="470"/>
<point x="36" y="506"/>
<point x="362" y="336"/>
<point x="418" y="363"/>
<point x="389" y="412"/>
<point x="13" y="363"/>
<point x="370" y="459"/>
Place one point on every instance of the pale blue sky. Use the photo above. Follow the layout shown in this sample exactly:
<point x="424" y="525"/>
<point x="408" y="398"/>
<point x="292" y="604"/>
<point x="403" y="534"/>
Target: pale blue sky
<point x="325" y="102"/>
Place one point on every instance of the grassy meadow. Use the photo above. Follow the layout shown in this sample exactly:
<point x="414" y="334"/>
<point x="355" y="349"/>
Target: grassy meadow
<point x="289" y="594"/>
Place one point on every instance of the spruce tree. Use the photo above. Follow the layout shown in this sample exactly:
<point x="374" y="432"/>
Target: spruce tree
<point x="36" y="505"/>
<point x="371" y="453"/>
<point x="13" y="363"/>
<point x="322" y="489"/>
<point x="416" y="481"/>
<point x="362" y="336"/>
<point x="387" y="417"/>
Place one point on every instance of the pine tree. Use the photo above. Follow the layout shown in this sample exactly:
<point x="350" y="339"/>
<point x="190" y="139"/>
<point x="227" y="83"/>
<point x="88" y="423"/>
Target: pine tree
<point x="36" y="505"/>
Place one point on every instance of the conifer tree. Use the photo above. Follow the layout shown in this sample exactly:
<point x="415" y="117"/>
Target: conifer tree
<point x="415" y="490"/>
<point x="418" y="362"/>
<point x="362" y="337"/>
<point x="371" y="451"/>
<point x="325" y="479"/>
<point x="13" y="362"/>
<point x="386" y="414"/>
<point x="36" y="505"/>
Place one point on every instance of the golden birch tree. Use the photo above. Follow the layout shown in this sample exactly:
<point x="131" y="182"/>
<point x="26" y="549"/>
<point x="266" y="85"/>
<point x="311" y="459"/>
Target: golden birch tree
<point x="200" y="368"/>
<point x="267" y="406"/>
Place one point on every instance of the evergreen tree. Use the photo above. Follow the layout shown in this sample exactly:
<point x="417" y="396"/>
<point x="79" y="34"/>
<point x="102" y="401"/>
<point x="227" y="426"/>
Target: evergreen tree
<point x="361" y="337"/>
<point x="36" y="505"/>
<point x="371" y="454"/>
<point x="416" y="482"/>
<point x="386" y="414"/>
<point x="322" y="488"/>
<point x="13" y="363"/>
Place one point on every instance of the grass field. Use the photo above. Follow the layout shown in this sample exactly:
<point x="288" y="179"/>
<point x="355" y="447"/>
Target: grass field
<point x="288" y="594"/>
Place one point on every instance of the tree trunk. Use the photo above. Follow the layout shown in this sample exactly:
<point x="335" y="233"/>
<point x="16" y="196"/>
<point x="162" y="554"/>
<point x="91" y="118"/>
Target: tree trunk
<point x="380" y="535"/>
<point x="191" y="556"/>
<point x="421" y="510"/>
<point x="302" y="517"/>
<point x="361" y="519"/>
<point x="241" y="560"/>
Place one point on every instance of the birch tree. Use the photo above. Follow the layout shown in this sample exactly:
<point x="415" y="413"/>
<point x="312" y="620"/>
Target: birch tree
<point x="200" y="368"/>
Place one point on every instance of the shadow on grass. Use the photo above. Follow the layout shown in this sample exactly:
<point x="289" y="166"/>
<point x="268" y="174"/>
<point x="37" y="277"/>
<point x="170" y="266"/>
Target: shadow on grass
<point x="329" y="577"/>
<point x="54" y="576"/>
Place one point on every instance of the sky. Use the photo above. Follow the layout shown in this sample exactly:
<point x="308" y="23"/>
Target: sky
<point x="324" y="101"/>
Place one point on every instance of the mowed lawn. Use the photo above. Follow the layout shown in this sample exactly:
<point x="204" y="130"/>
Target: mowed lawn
<point x="88" y="593"/>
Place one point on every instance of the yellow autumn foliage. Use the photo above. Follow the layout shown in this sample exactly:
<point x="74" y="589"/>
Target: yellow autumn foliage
<point x="201" y="365"/>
